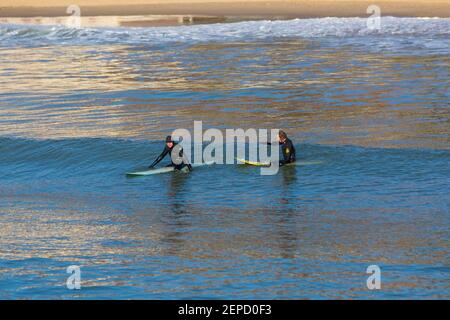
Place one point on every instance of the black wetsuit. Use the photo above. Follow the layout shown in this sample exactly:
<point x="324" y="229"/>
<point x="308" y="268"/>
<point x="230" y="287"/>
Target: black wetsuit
<point x="288" y="151"/>
<point x="183" y="160"/>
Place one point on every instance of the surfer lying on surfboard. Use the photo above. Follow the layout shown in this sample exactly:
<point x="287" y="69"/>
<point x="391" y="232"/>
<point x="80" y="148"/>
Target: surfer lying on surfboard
<point x="287" y="148"/>
<point x="179" y="162"/>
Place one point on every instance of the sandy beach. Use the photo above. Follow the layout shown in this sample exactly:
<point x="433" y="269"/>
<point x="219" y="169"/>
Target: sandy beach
<point x="234" y="8"/>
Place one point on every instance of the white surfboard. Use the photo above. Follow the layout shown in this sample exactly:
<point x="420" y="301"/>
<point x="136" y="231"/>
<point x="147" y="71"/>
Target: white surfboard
<point x="162" y="170"/>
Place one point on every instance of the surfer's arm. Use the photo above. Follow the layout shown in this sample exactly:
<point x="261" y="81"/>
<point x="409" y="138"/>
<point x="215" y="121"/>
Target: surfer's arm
<point x="276" y="142"/>
<point x="160" y="157"/>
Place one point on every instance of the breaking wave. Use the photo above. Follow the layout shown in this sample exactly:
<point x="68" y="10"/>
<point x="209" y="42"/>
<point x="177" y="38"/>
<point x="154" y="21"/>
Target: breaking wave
<point x="26" y="35"/>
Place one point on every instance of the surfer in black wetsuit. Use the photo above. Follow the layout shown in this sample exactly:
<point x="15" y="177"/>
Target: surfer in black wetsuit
<point x="181" y="158"/>
<point x="287" y="148"/>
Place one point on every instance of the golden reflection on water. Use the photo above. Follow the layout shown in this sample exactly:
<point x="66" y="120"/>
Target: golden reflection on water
<point x="93" y="238"/>
<point x="318" y="95"/>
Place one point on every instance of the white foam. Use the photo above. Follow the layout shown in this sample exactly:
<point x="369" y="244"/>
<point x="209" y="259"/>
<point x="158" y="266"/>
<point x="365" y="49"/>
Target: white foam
<point x="225" y="32"/>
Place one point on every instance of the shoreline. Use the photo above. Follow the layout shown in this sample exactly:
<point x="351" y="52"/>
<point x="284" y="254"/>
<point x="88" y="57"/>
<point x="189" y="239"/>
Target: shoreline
<point x="238" y="9"/>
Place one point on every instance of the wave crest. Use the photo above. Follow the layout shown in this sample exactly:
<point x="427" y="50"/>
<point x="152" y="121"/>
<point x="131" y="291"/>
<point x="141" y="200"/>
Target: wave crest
<point x="241" y="31"/>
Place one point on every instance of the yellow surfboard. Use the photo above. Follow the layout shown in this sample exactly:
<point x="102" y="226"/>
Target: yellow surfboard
<point x="266" y="164"/>
<point x="253" y="163"/>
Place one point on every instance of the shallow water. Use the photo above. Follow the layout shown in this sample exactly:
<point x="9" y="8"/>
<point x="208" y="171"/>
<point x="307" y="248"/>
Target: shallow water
<point x="367" y="110"/>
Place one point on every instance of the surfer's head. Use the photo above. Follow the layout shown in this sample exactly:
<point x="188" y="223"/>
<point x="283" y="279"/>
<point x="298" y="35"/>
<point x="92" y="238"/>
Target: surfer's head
<point x="282" y="136"/>
<point x="169" y="142"/>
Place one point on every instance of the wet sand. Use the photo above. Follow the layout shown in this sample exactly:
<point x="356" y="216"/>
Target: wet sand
<point x="229" y="8"/>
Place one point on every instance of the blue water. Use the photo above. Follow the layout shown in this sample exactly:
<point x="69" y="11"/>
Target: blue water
<point x="367" y="110"/>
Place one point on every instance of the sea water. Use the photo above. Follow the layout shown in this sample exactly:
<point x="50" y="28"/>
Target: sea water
<point x="369" y="108"/>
